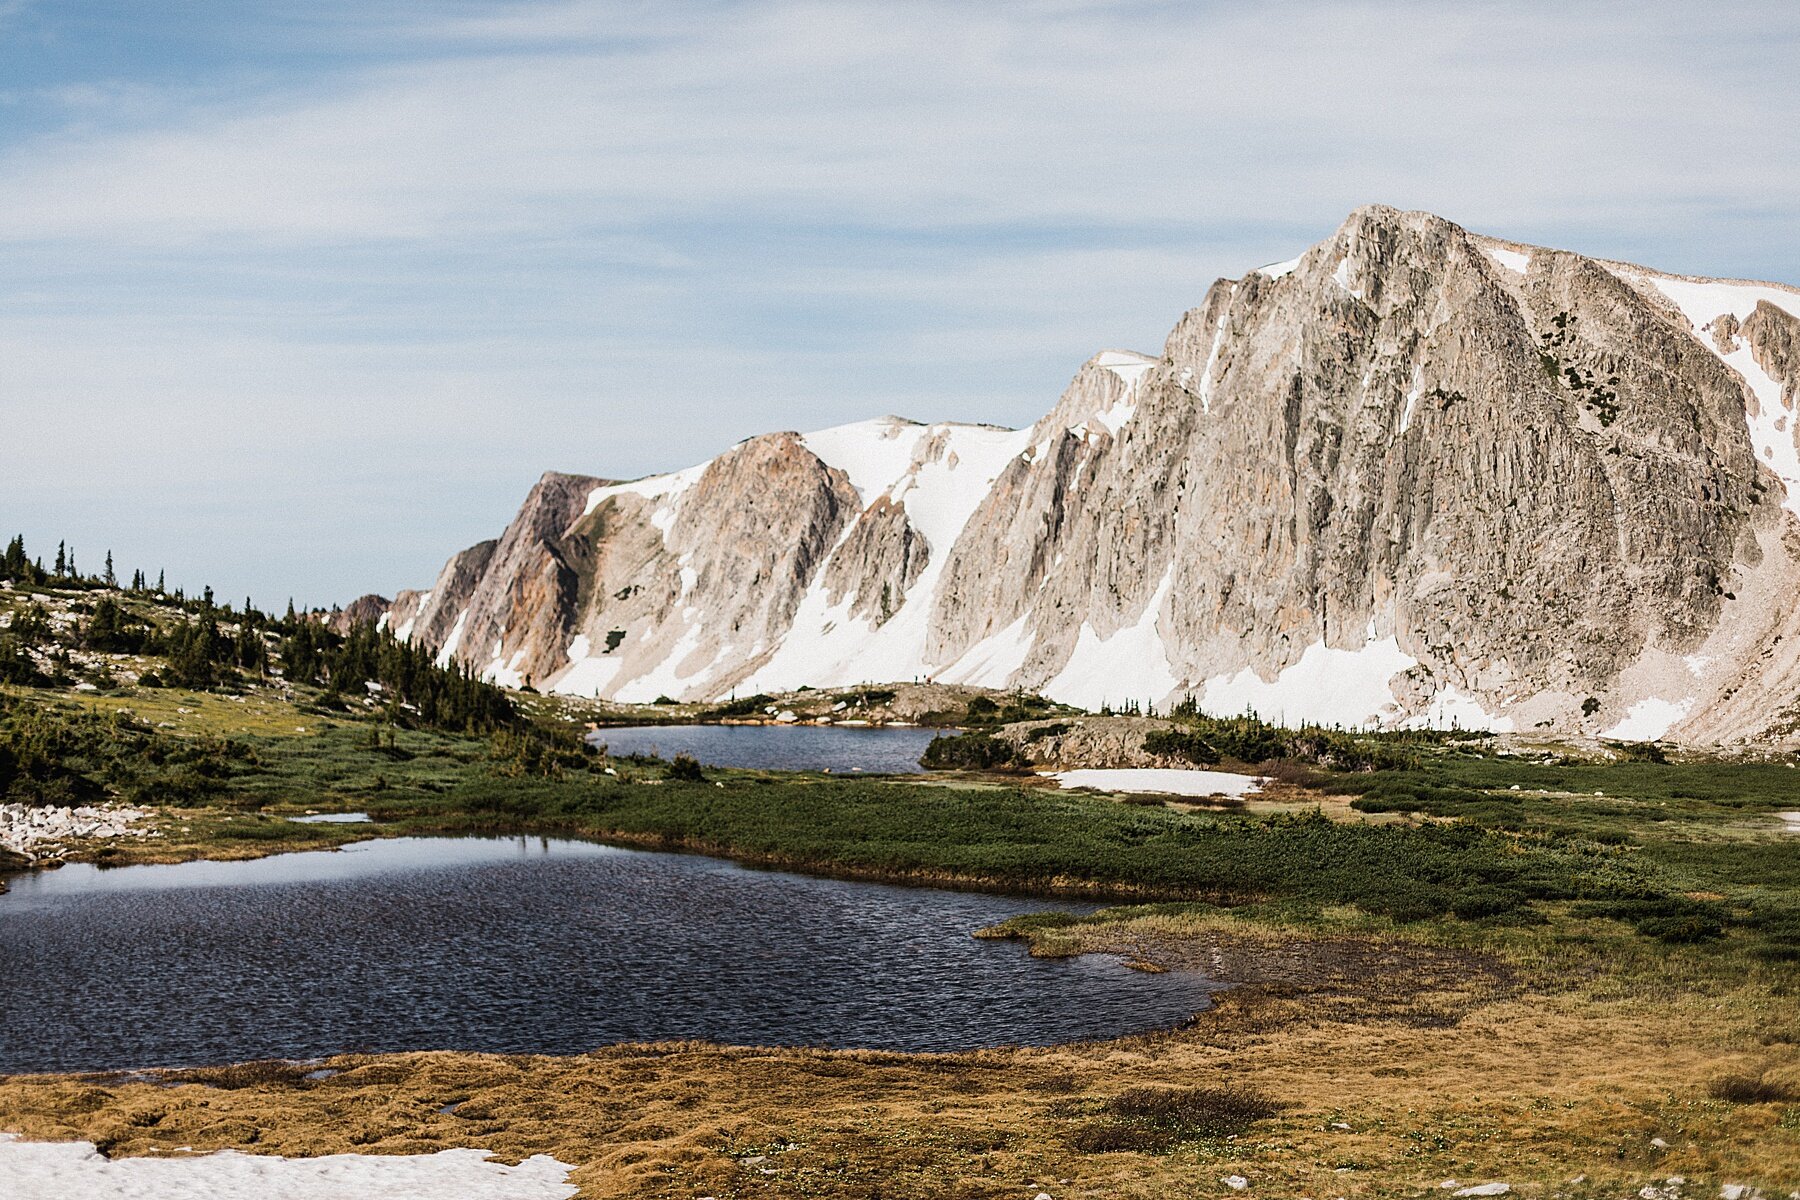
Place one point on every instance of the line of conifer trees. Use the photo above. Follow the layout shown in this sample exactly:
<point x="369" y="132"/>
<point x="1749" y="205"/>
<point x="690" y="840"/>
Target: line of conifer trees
<point x="212" y="645"/>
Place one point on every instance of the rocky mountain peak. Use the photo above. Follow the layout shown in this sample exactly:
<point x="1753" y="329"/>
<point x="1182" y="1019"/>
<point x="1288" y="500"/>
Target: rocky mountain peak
<point x="1413" y="475"/>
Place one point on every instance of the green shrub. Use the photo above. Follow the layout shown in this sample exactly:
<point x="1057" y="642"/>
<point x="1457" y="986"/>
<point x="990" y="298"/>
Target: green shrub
<point x="973" y="751"/>
<point x="685" y="768"/>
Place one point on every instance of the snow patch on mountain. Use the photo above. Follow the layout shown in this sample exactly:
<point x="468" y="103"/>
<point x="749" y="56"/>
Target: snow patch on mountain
<point x="1512" y="260"/>
<point x="1649" y="719"/>
<point x="1325" y="685"/>
<point x="952" y="470"/>
<point x="993" y="660"/>
<point x="1452" y="708"/>
<point x="454" y="640"/>
<point x="874" y="454"/>
<point x="1703" y="301"/>
<point x="1127" y="664"/>
<point x="1771" y="424"/>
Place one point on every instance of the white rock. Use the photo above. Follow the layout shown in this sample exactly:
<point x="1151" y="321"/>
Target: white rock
<point x="1485" y="1189"/>
<point x="1236" y="1183"/>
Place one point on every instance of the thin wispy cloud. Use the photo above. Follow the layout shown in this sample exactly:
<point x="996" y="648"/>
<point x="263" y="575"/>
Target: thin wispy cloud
<point x="415" y="253"/>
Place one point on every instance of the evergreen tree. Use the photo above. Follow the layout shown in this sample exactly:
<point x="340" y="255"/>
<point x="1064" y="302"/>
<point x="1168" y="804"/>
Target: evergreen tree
<point x="160" y="589"/>
<point x="113" y="630"/>
<point x="14" y="564"/>
<point x="111" y="579"/>
<point x="62" y="559"/>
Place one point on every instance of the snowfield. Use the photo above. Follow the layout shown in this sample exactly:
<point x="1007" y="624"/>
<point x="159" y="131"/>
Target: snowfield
<point x="1170" y="782"/>
<point x="65" y="1170"/>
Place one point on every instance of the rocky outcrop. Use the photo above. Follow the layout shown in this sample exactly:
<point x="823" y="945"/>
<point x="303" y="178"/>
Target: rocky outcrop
<point x="34" y="832"/>
<point x="1414" y="475"/>
<point x="364" y="610"/>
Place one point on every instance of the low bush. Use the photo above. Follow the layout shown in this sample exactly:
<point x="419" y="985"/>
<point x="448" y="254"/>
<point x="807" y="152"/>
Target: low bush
<point x="1753" y="1089"/>
<point x="685" y="768"/>
<point x="974" y="751"/>
<point x="1198" y="1111"/>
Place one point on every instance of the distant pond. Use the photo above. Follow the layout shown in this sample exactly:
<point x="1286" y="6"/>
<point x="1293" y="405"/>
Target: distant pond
<point x="524" y="945"/>
<point x="838" y="748"/>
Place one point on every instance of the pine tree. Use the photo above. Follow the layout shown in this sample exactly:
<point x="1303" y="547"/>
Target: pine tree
<point x="160" y="589"/>
<point x="15" y="564"/>
<point x="62" y="559"/>
<point x="111" y="579"/>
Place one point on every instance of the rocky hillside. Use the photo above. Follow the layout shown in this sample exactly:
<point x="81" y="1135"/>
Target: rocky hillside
<point x="1414" y="475"/>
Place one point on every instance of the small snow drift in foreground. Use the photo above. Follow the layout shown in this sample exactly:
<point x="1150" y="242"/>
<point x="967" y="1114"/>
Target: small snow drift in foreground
<point x="1161" y="780"/>
<point x="1790" y="821"/>
<point x="58" y="1170"/>
<point x="347" y="818"/>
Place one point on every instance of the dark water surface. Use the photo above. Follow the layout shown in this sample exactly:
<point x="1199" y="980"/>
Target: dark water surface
<point x="777" y="747"/>
<point x="522" y="945"/>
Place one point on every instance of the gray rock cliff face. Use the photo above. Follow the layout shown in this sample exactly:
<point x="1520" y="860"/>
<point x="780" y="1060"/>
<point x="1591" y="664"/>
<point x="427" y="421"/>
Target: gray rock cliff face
<point x="1416" y="475"/>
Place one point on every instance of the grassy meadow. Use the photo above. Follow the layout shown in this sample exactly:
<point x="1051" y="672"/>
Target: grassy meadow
<point x="1579" y="977"/>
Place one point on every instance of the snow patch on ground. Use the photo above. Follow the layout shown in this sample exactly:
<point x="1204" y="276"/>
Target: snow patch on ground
<point x="1648" y="720"/>
<point x="1167" y="782"/>
<point x="60" y="1170"/>
<point x="1128" y="664"/>
<point x="1325" y="686"/>
<point x="1277" y="270"/>
<point x="1790" y="821"/>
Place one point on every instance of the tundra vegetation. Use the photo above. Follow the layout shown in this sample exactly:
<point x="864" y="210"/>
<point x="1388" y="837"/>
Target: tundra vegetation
<point x="1571" y="969"/>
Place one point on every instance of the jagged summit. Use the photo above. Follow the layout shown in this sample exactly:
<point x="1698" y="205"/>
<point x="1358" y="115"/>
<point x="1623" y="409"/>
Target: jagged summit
<point x="1414" y="475"/>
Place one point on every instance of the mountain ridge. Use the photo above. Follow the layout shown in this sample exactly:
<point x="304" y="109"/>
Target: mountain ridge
<point x="1415" y="475"/>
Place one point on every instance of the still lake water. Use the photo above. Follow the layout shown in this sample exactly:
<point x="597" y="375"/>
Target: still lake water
<point x="523" y="945"/>
<point x="777" y="747"/>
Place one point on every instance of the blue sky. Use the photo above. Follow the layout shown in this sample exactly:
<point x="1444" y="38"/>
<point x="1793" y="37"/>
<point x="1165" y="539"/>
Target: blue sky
<point x="302" y="298"/>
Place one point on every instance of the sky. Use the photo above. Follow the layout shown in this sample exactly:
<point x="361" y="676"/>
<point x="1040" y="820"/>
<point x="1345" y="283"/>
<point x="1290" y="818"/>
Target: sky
<point x="299" y="299"/>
